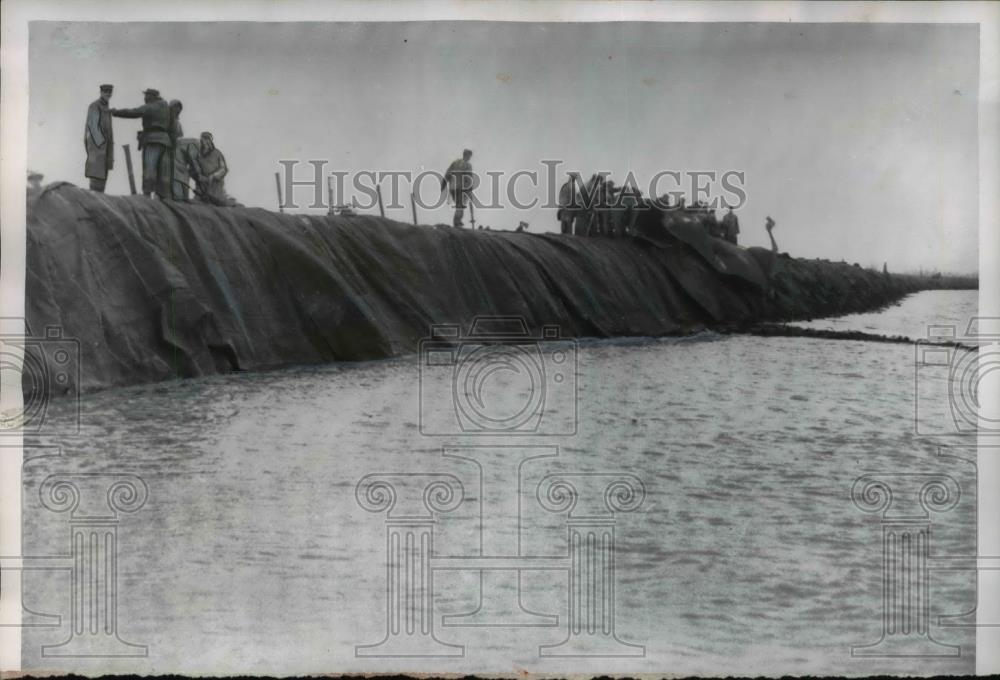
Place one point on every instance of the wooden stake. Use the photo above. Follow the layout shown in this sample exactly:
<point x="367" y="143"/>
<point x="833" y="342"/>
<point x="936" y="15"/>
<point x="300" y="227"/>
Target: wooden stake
<point x="413" y="204"/>
<point x="128" y="164"/>
<point x="381" y="208"/>
<point x="277" y="183"/>
<point x="329" y="193"/>
<point x="472" y="216"/>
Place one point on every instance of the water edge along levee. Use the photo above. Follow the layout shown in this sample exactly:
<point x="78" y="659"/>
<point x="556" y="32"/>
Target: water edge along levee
<point x="156" y="290"/>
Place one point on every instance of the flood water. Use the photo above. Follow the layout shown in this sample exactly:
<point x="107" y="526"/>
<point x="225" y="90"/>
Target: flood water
<point x="747" y="555"/>
<point x="911" y="317"/>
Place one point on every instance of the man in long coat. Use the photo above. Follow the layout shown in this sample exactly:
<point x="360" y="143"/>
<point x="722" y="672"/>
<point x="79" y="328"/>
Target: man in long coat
<point x="99" y="141"/>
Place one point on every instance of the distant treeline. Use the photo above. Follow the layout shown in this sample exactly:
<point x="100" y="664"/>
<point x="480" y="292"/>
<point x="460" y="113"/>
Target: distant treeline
<point x="946" y="281"/>
<point x="934" y="280"/>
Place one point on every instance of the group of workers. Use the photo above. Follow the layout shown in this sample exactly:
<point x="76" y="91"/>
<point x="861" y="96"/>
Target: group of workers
<point x="728" y="228"/>
<point x="599" y="208"/>
<point x="169" y="159"/>
<point x="594" y="208"/>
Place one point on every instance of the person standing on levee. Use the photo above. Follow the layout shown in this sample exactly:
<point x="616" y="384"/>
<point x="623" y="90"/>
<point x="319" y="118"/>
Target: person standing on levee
<point x="459" y="181"/>
<point x="155" y="142"/>
<point x="99" y="141"/>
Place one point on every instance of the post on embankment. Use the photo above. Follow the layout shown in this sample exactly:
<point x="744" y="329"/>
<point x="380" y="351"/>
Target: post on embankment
<point x="128" y="164"/>
<point x="472" y="215"/>
<point x="381" y="207"/>
<point x="277" y="184"/>
<point x="413" y="204"/>
<point x="329" y="193"/>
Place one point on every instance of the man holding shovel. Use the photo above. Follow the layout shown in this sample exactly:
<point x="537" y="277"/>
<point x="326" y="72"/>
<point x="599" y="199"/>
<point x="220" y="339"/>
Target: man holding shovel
<point x="460" y="181"/>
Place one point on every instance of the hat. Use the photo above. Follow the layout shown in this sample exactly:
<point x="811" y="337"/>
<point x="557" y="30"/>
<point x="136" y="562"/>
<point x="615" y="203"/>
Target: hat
<point x="467" y="151"/>
<point x="208" y="136"/>
<point x="151" y="91"/>
<point x="107" y="88"/>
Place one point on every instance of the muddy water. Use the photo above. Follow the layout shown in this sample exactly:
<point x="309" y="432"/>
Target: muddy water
<point x="252" y="553"/>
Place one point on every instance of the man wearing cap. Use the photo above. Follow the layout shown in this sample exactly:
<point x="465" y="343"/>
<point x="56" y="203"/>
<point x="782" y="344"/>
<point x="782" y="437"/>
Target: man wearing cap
<point x="155" y="142"/>
<point x="460" y="182"/>
<point x="98" y="141"/>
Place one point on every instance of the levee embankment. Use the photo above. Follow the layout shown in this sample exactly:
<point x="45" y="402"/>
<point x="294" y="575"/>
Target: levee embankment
<point x="156" y="290"/>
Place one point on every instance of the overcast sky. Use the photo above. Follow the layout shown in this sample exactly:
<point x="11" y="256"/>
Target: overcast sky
<point x="860" y="140"/>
